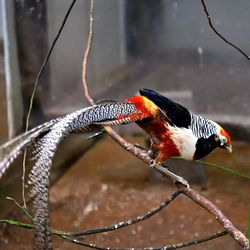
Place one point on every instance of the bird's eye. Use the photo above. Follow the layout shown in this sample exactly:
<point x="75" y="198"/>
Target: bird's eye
<point x="223" y="139"/>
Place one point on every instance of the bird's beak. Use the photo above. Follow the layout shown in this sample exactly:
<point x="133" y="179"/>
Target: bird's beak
<point x="228" y="147"/>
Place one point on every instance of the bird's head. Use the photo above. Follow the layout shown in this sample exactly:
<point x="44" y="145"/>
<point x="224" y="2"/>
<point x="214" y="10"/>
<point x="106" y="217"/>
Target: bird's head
<point x="223" y="139"/>
<point x="206" y="145"/>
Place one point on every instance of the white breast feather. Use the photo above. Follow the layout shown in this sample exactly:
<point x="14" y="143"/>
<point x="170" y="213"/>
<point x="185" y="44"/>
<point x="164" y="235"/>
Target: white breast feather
<point x="185" y="141"/>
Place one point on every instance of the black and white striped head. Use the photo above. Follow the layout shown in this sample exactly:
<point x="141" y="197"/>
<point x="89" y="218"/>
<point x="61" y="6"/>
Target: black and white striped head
<point x="210" y="136"/>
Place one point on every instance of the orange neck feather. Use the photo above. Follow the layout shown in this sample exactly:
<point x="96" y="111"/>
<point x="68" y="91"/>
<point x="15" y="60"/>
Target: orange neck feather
<point x="144" y="105"/>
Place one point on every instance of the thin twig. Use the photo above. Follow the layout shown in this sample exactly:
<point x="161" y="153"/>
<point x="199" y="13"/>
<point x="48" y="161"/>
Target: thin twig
<point x="21" y="208"/>
<point x="131" y="221"/>
<point x="34" y="91"/>
<point x="68" y="236"/>
<point x="201" y="240"/>
<point x="219" y="34"/>
<point x="168" y="247"/>
<point x="46" y="61"/>
<point x="31" y="226"/>
<point x="86" y="55"/>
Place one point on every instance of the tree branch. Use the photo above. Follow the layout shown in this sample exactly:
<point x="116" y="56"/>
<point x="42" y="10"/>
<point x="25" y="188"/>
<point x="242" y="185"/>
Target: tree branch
<point x="131" y="221"/>
<point x="167" y="247"/>
<point x="68" y="236"/>
<point x="219" y="34"/>
<point x="141" y="154"/>
<point x="217" y="213"/>
<point x="95" y="230"/>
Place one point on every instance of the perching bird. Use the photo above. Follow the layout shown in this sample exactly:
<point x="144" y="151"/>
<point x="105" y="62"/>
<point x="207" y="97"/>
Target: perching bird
<point x="174" y="130"/>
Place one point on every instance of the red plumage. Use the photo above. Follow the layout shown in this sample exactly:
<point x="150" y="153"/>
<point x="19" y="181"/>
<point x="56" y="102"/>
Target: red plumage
<point x="156" y="127"/>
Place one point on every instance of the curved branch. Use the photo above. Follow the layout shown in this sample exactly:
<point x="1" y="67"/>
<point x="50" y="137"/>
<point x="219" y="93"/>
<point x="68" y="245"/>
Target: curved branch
<point x="167" y="247"/>
<point x="219" y="34"/>
<point x="131" y="221"/>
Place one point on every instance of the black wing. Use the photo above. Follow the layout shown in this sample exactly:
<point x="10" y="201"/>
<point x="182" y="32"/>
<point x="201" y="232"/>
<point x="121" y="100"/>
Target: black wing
<point x="176" y="113"/>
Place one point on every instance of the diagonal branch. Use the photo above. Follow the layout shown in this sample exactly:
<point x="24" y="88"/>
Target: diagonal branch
<point x="219" y="34"/>
<point x="217" y="213"/>
<point x="141" y="154"/>
<point x="192" y="194"/>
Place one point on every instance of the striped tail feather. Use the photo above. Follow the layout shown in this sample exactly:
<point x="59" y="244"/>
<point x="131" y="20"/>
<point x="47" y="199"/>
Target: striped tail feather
<point x="46" y="139"/>
<point x="11" y="149"/>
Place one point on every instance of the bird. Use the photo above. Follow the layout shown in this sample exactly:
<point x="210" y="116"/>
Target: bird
<point x="173" y="129"/>
<point x="176" y="131"/>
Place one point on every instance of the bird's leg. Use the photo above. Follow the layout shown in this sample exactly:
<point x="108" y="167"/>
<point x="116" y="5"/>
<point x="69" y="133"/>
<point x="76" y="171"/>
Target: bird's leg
<point x="174" y="177"/>
<point x="153" y="150"/>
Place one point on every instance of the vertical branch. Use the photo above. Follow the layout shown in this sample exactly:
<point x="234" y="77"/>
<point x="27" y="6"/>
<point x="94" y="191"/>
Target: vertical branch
<point x="86" y="55"/>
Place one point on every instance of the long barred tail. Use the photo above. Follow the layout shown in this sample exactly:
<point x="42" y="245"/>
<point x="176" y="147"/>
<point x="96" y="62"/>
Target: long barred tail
<point x="10" y="150"/>
<point x="105" y="114"/>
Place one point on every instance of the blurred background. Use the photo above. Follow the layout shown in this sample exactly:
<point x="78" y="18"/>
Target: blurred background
<point x="164" y="45"/>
